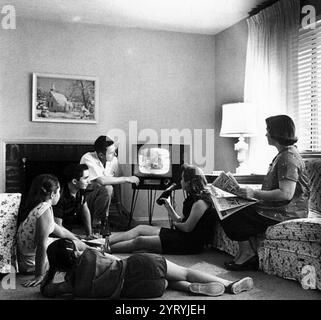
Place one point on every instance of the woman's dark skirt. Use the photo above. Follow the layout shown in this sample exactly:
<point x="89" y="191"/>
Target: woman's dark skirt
<point x="245" y="223"/>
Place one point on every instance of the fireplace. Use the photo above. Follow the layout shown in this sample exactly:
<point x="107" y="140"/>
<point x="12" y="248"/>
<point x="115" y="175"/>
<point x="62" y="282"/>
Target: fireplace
<point x="23" y="161"/>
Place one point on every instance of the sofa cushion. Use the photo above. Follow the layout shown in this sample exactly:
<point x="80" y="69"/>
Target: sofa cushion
<point x="305" y="229"/>
<point x="313" y="167"/>
<point x="9" y="206"/>
<point x="311" y="249"/>
<point x="293" y="260"/>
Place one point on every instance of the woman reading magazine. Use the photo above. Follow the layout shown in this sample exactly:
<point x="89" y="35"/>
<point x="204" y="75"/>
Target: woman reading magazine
<point x="284" y="195"/>
<point x="226" y="197"/>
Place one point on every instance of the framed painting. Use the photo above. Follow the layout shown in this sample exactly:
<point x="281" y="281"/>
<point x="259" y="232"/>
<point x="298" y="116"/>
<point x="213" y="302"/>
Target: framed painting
<point x="64" y="98"/>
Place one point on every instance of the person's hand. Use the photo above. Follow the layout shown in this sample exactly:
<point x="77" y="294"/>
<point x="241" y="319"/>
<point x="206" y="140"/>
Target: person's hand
<point x="34" y="282"/>
<point x="246" y="192"/>
<point x="91" y="237"/>
<point x="175" y="224"/>
<point x="166" y="202"/>
<point x="133" y="179"/>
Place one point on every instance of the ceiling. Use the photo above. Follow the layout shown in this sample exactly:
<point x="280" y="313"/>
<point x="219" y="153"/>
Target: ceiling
<point x="194" y="16"/>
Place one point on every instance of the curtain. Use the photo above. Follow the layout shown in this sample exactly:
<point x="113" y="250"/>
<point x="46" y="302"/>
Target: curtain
<point x="270" y="73"/>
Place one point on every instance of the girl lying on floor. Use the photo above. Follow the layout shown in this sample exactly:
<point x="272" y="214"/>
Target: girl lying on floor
<point x="192" y="231"/>
<point x="93" y="274"/>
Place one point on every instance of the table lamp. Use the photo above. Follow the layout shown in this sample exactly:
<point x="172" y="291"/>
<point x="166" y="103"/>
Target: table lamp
<point x="239" y="121"/>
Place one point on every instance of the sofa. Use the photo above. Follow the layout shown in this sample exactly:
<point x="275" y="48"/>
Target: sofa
<point x="290" y="249"/>
<point x="9" y="206"/>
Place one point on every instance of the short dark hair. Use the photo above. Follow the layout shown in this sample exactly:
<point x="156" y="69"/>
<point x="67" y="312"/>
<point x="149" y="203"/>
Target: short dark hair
<point x="75" y="171"/>
<point x="102" y="143"/>
<point x="282" y="129"/>
<point x="61" y="255"/>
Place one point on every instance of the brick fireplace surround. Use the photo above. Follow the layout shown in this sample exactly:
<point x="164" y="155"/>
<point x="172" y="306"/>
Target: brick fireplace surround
<point x="25" y="160"/>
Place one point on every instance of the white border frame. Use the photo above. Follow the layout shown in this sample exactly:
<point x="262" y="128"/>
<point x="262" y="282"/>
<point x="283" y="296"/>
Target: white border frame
<point x="62" y="76"/>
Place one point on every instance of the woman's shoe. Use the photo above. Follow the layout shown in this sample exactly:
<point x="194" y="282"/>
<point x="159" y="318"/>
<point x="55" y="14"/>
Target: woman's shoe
<point x="212" y="289"/>
<point x="251" y="264"/>
<point x="239" y="286"/>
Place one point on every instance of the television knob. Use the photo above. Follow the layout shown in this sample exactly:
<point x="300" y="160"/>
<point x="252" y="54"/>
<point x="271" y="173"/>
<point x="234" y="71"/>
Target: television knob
<point x="166" y="182"/>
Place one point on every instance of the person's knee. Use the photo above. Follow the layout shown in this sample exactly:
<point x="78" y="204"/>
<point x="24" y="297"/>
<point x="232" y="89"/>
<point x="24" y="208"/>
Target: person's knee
<point x="139" y="242"/>
<point x="107" y="190"/>
<point x="139" y="230"/>
<point x="105" y="193"/>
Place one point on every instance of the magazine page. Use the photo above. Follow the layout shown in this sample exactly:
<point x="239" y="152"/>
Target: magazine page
<point x="230" y="175"/>
<point x="226" y="203"/>
<point x="226" y="183"/>
<point x="226" y="213"/>
<point x="217" y="192"/>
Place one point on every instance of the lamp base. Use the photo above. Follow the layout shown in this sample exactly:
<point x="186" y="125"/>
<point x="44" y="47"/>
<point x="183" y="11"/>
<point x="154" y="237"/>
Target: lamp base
<point x="241" y="147"/>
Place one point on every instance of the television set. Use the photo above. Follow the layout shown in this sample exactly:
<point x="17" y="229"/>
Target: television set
<point x="158" y="165"/>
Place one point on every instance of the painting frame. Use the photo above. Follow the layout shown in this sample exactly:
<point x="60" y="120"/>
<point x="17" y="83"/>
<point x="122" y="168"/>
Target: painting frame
<point x="62" y="98"/>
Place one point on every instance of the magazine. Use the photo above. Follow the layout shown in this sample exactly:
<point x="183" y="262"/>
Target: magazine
<point x="225" y="195"/>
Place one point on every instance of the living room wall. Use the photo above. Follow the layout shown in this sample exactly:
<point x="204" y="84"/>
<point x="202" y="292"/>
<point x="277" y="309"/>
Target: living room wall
<point x="158" y="80"/>
<point x="230" y="58"/>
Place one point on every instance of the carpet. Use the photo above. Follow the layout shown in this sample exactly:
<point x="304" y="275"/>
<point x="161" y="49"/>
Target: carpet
<point x="266" y="287"/>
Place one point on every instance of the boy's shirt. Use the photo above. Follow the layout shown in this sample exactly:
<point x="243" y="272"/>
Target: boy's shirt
<point x="68" y="207"/>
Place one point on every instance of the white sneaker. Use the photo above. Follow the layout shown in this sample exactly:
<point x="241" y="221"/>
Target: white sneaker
<point x="239" y="286"/>
<point x="212" y="289"/>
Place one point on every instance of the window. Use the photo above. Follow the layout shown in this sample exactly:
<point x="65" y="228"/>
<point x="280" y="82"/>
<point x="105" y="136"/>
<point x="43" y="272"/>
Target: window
<point x="308" y="115"/>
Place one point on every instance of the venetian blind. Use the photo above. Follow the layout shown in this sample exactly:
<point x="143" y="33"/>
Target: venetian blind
<point x="308" y="115"/>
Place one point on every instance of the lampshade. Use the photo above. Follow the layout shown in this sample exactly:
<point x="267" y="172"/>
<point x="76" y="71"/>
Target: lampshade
<point x="238" y="119"/>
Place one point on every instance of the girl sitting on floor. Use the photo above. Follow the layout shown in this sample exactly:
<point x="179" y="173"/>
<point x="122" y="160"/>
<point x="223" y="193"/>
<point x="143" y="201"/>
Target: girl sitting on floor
<point x="33" y="232"/>
<point x="93" y="274"/>
<point x="192" y="231"/>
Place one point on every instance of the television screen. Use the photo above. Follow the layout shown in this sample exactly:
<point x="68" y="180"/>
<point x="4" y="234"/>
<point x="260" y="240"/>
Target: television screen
<point x="158" y="165"/>
<point x="153" y="160"/>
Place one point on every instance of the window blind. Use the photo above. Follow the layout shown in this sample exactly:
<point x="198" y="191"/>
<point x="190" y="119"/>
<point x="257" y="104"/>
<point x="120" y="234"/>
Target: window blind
<point x="308" y="114"/>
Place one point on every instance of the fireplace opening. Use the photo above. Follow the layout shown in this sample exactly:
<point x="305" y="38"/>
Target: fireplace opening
<point x="24" y="161"/>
